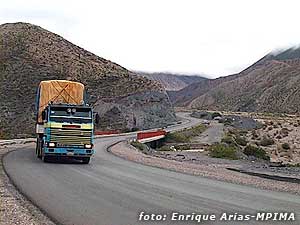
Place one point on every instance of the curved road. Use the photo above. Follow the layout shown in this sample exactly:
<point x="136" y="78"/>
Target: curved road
<point x="113" y="191"/>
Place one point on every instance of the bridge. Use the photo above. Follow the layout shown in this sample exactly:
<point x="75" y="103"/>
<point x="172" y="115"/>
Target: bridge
<point x="153" y="139"/>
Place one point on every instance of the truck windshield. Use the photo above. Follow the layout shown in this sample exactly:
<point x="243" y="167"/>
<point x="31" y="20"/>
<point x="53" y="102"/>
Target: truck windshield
<point x="71" y="114"/>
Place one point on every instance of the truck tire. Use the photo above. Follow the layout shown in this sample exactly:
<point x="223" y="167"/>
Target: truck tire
<point x="85" y="160"/>
<point x="39" y="145"/>
<point x="45" y="158"/>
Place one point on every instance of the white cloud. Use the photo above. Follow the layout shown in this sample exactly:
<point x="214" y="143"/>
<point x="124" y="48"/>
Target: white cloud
<point x="194" y="36"/>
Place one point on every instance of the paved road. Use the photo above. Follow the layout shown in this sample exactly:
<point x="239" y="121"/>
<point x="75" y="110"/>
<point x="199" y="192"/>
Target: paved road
<point x="113" y="191"/>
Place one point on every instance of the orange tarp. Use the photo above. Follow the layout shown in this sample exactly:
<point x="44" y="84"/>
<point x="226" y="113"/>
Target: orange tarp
<point x="59" y="91"/>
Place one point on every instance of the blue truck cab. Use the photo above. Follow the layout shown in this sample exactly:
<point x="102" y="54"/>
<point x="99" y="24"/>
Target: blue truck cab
<point x="68" y="132"/>
<point x="64" y="129"/>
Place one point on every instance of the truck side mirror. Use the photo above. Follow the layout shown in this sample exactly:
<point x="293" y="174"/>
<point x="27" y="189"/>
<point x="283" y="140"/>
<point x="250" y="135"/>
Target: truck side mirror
<point x="43" y="115"/>
<point x="97" y="118"/>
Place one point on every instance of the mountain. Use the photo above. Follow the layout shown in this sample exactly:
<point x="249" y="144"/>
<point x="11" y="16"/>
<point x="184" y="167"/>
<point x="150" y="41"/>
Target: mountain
<point x="30" y="54"/>
<point x="269" y="85"/>
<point x="184" y="96"/>
<point x="173" y="82"/>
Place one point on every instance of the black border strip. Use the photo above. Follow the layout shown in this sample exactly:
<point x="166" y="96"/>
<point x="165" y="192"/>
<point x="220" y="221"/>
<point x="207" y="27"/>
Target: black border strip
<point x="268" y="176"/>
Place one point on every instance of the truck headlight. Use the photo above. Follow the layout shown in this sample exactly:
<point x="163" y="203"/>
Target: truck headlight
<point x="88" y="146"/>
<point x="51" y="144"/>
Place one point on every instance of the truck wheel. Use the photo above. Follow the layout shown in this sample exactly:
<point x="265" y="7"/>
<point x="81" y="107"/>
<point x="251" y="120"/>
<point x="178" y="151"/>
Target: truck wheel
<point x="37" y="147"/>
<point x="38" y="151"/>
<point x="45" y="159"/>
<point x="86" y="160"/>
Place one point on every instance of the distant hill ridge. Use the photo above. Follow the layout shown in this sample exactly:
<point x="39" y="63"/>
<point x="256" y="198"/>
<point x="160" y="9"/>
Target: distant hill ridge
<point x="173" y="82"/>
<point x="30" y="54"/>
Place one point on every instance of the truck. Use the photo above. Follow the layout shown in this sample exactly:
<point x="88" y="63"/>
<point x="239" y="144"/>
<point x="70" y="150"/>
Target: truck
<point x="64" y="121"/>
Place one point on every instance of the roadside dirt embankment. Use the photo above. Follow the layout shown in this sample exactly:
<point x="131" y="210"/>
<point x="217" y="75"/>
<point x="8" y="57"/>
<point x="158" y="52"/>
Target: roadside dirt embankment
<point x="14" y="207"/>
<point x="213" y="171"/>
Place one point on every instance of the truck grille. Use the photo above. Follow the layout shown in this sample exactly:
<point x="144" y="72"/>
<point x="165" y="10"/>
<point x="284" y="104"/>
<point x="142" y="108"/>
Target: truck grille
<point x="70" y="137"/>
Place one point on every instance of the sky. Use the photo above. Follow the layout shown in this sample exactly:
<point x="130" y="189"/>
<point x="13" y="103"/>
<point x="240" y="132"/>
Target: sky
<point x="211" y="37"/>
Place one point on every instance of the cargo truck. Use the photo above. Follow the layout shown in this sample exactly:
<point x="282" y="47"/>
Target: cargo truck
<point x="64" y="121"/>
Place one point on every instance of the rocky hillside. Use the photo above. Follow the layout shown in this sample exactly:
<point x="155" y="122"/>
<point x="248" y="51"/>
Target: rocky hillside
<point x="184" y="96"/>
<point x="269" y="85"/>
<point x="30" y="54"/>
<point x="173" y="82"/>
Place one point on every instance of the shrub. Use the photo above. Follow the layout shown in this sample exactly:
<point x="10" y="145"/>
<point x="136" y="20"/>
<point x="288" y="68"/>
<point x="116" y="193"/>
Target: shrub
<point x="216" y="114"/>
<point x="294" y="165"/>
<point x="177" y="137"/>
<point x="165" y="148"/>
<point x="182" y="147"/>
<point x="134" y="129"/>
<point x="185" y="135"/>
<point x="285" y="146"/>
<point x="126" y="130"/>
<point x="251" y="150"/>
<point x="232" y="131"/>
<point x="195" y="131"/>
<point x="140" y="146"/>
<point x="228" y="139"/>
<point x="266" y="141"/>
<point x="284" y="132"/>
<point x="240" y="140"/>
<point x="3" y="135"/>
<point x="223" y="151"/>
<point x="228" y="121"/>
<point x="242" y="132"/>
<point x="254" y="134"/>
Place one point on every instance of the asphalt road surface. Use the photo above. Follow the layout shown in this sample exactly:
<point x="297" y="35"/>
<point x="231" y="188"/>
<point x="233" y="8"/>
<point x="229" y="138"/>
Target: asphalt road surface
<point x="113" y="191"/>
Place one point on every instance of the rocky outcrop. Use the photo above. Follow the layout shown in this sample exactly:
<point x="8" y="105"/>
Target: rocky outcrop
<point x="145" y="110"/>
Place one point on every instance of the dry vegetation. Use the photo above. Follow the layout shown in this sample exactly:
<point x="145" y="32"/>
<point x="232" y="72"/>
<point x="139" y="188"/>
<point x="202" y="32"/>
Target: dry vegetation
<point x="278" y="140"/>
<point x="280" y="137"/>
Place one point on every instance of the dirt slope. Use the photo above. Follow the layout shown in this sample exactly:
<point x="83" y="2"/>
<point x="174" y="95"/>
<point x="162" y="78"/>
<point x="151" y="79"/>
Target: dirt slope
<point x="29" y="54"/>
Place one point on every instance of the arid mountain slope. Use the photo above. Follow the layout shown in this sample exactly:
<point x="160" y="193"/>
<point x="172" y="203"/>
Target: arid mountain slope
<point x="184" y="96"/>
<point x="173" y="82"/>
<point x="269" y="85"/>
<point x="29" y="54"/>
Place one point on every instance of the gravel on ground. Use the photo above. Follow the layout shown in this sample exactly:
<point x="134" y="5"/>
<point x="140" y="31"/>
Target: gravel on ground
<point x="14" y="207"/>
<point x="256" y="166"/>
<point x="213" y="171"/>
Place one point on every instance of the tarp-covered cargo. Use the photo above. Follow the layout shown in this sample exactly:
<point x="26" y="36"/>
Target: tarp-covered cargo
<point x="59" y="91"/>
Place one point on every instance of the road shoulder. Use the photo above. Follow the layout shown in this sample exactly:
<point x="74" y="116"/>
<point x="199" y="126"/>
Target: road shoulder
<point x="217" y="172"/>
<point x="14" y="207"/>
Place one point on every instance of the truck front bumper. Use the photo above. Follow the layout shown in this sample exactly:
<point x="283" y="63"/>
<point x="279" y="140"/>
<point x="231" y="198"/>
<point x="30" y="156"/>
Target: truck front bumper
<point x="72" y="152"/>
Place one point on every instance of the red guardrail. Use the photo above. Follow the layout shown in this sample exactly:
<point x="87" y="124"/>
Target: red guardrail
<point x="150" y="134"/>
